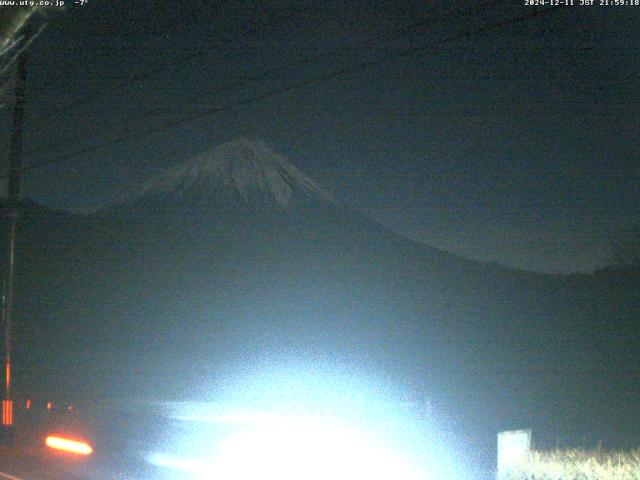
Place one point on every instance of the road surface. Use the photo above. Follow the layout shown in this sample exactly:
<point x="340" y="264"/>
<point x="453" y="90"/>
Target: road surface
<point x="37" y="464"/>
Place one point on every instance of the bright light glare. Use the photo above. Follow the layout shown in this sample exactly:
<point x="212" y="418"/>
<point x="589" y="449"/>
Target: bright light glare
<point x="68" y="445"/>
<point x="294" y="449"/>
<point x="289" y="422"/>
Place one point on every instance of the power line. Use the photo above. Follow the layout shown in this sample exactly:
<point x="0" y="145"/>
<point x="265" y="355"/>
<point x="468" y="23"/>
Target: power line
<point x="110" y="51"/>
<point x="289" y="88"/>
<point x="305" y="61"/>
<point x="151" y="73"/>
<point x="308" y="60"/>
<point x="335" y="51"/>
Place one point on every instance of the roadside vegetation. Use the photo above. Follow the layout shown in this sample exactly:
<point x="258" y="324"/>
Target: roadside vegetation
<point x="577" y="465"/>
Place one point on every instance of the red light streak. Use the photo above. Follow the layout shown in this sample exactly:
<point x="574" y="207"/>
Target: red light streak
<point x="7" y="375"/>
<point x="68" y="445"/>
<point x="7" y="412"/>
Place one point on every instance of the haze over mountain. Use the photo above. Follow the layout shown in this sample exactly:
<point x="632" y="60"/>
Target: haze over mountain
<point x="238" y="258"/>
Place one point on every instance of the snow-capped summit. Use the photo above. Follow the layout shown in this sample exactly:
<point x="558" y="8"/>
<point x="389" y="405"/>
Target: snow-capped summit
<point x="241" y="170"/>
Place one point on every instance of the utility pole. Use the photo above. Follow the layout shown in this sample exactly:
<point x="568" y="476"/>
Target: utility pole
<point x="13" y="208"/>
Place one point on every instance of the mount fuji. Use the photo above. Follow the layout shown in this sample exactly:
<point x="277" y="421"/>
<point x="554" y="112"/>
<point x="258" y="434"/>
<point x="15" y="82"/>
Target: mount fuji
<point x="241" y="172"/>
<point x="236" y="256"/>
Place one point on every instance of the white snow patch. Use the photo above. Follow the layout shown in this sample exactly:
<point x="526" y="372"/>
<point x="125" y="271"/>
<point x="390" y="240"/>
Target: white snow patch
<point x="238" y="168"/>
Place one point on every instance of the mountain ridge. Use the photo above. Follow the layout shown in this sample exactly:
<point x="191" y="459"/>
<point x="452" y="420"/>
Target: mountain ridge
<point x="229" y="286"/>
<point x="241" y="171"/>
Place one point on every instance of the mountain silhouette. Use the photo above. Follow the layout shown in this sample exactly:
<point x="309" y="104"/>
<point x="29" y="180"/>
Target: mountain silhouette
<point x="237" y="258"/>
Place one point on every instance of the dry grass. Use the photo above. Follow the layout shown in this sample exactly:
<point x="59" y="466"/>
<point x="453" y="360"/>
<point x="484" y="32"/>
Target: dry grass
<point x="577" y="465"/>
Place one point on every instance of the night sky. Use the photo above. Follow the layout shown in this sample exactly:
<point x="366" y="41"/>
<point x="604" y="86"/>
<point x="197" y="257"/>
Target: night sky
<point x="515" y="144"/>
